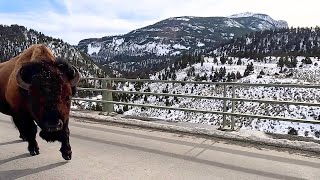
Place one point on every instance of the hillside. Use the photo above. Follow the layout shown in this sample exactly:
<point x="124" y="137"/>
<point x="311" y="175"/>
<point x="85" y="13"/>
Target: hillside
<point x="221" y="69"/>
<point x="211" y="71"/>
<point x="293" y="42"/>
<point x="300" y="66"/>
<point x="155" y="45"/>
<point x="14" y="39"/>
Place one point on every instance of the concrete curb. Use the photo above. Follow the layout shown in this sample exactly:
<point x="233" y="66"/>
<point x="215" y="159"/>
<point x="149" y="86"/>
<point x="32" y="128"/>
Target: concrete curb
<point x="231" y="135"/>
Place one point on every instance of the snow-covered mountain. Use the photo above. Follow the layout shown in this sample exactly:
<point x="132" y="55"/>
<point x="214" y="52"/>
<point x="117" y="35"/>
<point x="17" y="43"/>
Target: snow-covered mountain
<point x="156" y="44"/>
<point x="276" y="23"/>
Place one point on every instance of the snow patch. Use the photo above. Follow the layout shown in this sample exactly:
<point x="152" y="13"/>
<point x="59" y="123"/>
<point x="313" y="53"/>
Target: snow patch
<point x="118" y="42"/>
<point x="93" y="49"/>
<point x="245" y="14"/>
<point x="179" y="46"/>
<point x="233" y="23"/>
<point x="200" y="44"/>
<point x="183" y="19"/>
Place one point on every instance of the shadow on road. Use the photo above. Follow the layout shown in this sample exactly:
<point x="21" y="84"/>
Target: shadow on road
<point x="190" y="158"/>
<point x="206" y="146"/>
<point x="10" y="142"/>
<point x="14" y="158"/>
<point x="15" y="174"/>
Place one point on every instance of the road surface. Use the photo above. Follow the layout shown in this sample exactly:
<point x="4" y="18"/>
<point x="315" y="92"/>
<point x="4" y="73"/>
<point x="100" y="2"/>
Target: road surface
<point x="115" y="152"/>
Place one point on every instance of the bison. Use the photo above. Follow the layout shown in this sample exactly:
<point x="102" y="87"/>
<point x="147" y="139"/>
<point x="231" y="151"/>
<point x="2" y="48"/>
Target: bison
<point x="36" y="89"/>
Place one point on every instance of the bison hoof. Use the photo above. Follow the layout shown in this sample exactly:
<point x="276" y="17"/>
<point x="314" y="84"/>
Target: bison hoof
<point x="34" y="152"/>
<point x="67" y="155"/>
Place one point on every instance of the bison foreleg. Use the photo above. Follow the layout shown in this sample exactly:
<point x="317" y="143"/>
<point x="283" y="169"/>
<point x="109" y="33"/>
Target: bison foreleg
<point x="31" y="138"/>
<point x="19" y="126"/>
<point x="28" y="131"/>
<point x="65" y="143"/>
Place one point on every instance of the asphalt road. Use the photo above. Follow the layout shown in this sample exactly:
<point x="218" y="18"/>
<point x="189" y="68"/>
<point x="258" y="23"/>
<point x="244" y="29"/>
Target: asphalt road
<point x="115" y="152"/>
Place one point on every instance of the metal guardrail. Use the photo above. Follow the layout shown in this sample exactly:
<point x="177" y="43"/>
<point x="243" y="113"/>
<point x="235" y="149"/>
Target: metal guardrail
<point x="108" y="102"/>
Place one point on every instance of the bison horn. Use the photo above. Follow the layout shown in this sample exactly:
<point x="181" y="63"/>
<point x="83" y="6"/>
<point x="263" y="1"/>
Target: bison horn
<point x="76" y="78"/>
<point x="20" y="82"/>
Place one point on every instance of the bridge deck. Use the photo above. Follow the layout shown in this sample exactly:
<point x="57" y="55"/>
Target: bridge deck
<point x="116" y="152"/>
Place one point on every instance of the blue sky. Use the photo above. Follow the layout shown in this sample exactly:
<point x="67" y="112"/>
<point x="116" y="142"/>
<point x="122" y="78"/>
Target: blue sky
<point x="20" y="6"/>
<point x="73" y="20"/>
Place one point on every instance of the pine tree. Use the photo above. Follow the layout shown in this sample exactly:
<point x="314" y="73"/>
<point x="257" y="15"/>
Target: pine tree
<point x="174" y="76"/>
<point x="148" y="89"/>
<point x="176" y="99"/>
<point x="287" y="62"/>
<point x="307" y="60"/>
<point x="167" y="102"/>
<point x="246" y="72"/>
<point x="238" y="75"/>
<point x="294" y="62"/>
<point x="125" y="108"/>
<point x="211" y="77"/>
<point x="233" y="75"/>
<point x="222" y="72"/>
<point x="204" y="77"/>
<point x="201" y="61"/>
<point x="250" y="66"/>
<point x="239" y="62"/>
<point x="215" y="60"/>
<point x="222" y="60"/>
<point x="228" y="77"/>
<point x="248" y="69"/>
<point x="197" y="78"/>
<point x="281" y="63"/>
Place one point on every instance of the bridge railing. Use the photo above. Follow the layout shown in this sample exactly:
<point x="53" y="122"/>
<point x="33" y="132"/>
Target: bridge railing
<point x="108" y="102"/>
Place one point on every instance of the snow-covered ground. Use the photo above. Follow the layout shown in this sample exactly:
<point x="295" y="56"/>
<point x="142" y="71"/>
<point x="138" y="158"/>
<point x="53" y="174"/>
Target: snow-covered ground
<point x="306" y="74"/>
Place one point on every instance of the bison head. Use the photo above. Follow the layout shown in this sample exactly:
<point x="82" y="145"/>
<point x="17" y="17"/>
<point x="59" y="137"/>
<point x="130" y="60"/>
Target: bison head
<point x="47" y="87"/>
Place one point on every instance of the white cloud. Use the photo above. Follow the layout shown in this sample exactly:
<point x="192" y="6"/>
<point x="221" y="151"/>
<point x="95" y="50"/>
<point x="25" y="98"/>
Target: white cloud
<point x="97" y="18"/>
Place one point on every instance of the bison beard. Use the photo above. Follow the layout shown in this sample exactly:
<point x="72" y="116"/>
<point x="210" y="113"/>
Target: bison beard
<point x="35" y="87"/>
<point x="63" y="137"/>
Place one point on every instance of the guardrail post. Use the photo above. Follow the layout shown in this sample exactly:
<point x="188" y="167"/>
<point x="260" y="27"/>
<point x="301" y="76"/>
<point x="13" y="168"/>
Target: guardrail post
<point x="224" y="122"/>
<point x="233" y="108"/>
<point x="107" y="96"/>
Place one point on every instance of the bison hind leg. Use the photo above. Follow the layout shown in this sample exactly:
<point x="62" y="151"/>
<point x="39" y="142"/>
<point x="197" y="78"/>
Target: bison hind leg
<point x="50" y="136"/>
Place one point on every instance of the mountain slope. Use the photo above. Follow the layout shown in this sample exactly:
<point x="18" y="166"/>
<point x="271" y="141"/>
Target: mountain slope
<point x="15" y="39"/>
<point x="293" y="41"/>
<point x="265" y="70"/>
<point x="268" y="20"/>
<point x="171" y="37"/>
